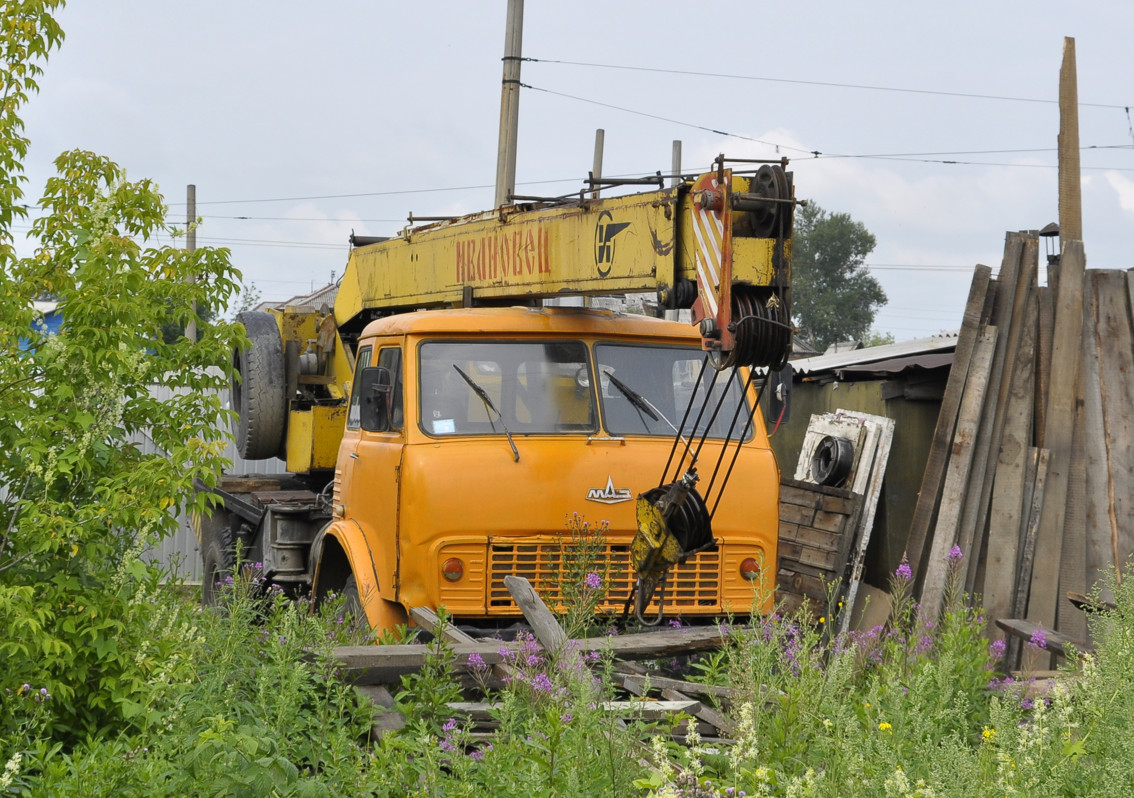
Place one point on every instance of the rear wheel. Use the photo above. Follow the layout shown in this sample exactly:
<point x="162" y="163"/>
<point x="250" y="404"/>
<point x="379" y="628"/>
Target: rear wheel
<point x="259" y="389"/>
<point x="219" y="561"/>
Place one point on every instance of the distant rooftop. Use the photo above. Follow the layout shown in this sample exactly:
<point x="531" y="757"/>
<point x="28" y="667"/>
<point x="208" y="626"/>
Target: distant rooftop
<point x="316" y="299"/>
<point x="932" y="352"/>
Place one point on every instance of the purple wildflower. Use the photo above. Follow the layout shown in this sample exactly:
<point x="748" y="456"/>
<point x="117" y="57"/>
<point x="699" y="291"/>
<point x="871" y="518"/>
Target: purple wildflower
<point x="996" y="649"/>
<point x="476" y="661"/>
<point x="1039" y="640"/>
<point x="904" y="572"/>
<point x="477" y="755"/>
<point x="675" y="623"/>
<point x="955" y="554"/>
<point x="450" y="725"/>
<point x="592" y="581"/>
<point x="542" y="684"/>
<point x="566" y="718"/>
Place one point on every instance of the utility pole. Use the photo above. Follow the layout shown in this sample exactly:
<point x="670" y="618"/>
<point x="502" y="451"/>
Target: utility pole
<point x="510" y="104"/>
<point x="191" y="246"/>
<point x="675" y="163"/>
<point x="596" y="169"/>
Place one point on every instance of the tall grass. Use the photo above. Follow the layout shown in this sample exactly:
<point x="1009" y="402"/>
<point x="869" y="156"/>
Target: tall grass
<point x="247" y="702"/>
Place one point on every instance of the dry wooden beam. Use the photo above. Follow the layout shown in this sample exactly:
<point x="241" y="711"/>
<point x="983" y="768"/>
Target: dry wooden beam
<point x="1007" y="517"/>
<point x="637" y="686"/>
<point x="544" y="624"/>
<point x="934" y="476"/>
<point x="1006" y="312"/>
<point x="1116" y="384"/>
<point x="956" y="480"/>
<point x="1011" y="317"/>
<point x="385" y="664"/>
<point x="1055" y="642"/>
<point x="664" y="683"/>
<point x="427" y="619"/>
<point x="1065" y="359"/>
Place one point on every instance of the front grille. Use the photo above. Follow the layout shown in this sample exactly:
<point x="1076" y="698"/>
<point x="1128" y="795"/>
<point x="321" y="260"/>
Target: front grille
<point x="694" y="586"/>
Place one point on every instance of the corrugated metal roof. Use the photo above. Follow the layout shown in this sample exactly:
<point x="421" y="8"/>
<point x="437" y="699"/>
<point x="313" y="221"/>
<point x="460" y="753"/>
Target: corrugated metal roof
<point x="941" y="343"/>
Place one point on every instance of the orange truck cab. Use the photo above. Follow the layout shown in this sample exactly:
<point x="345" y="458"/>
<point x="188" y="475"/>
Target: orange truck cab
<point x="433" y="452"/>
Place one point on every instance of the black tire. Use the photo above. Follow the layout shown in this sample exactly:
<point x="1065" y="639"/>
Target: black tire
<point x="832" y="462"/>
<point x="352" y="607"/>
<point x="259" y="389"/>
<point x="218" y="554"/>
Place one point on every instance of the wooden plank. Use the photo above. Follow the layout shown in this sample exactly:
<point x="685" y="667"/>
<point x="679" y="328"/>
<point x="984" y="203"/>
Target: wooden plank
<point x="1073" y="562"/>
<point x="1007" y="514"/>
<point x="1059" y="426"/>
<point x="1012" y="315"/>
<point x="651" y="710"/>
<point x="987" y="443"/>
<point x="385" y="664"/>
<point x="956" y="480"/>
<point x="1028" y="542"/>
<point x="1056" y="642"/>
<point x="544" y="624"/>
<point x="427" y="619"/>
<point x="1116" y="382"/>
<point x="818" y="558"/>
<point x="882" y="436"/>
<point x="665" y="683"/>
<point x="637" y="686"/>
<point x="249" y="484"/>
<point x="1043" y="359"/>
<point x="935" y="468"/>
<point x="811" y="538"/>
<point x="1099" y="546"/>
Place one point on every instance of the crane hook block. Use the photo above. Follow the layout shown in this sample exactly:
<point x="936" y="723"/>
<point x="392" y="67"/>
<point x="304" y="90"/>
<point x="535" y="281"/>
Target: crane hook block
<point x="673" y="525"/>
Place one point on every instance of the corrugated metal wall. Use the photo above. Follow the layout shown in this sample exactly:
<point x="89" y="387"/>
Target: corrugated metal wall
<point x="179" y="550"/>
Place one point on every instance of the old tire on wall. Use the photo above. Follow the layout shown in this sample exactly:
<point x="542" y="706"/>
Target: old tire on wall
<point x="259" y="389"/>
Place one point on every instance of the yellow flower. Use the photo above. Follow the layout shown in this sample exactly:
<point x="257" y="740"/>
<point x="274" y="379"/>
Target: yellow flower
<point x="822" y="619"/>
<point x="987" y="734"/>
<point x="885" y="727"/>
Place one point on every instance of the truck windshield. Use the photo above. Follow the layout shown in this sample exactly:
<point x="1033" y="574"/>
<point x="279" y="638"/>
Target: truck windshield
<point x="535" y="385"/>
<point x="645" y="389"/>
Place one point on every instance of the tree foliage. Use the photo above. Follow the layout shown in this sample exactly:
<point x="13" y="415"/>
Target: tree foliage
<point x="834" y="298"/>
<point x="79" y="497"/>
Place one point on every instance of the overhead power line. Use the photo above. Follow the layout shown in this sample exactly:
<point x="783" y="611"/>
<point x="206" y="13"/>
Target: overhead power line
<point x="827" y="84"/>
<point x="912" y="157"/>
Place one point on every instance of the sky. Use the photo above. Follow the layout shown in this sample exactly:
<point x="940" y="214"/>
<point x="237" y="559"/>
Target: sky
<point x="298" y="122"/>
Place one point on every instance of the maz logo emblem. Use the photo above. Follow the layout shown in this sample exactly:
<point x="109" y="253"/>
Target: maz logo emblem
<point x="609" y="494"/>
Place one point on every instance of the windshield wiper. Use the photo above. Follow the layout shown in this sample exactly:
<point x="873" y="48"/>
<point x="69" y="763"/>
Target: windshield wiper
<point x="636" y="399"/>
<point x="484" y="397"/>
<point x="643" y="404"/>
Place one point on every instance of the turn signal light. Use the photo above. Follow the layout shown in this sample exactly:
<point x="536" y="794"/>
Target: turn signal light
<point x="750" y="569"/>
<point x="453" y="569"/>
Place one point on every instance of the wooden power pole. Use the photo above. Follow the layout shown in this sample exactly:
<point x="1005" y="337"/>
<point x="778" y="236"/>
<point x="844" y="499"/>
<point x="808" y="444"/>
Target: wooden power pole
<point x="1070" y="190"/>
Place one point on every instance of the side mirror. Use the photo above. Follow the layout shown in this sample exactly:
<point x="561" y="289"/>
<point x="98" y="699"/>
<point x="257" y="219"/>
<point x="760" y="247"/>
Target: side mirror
<point x="376" y="389"/>
<point x="777" y="402"/>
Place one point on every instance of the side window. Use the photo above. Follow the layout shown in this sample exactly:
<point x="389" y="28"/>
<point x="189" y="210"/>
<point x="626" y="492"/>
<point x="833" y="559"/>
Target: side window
<point x="354" y="418"/>
<point x="390" y="358"/>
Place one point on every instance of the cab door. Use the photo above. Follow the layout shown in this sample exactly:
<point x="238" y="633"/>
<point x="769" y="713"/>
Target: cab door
<point x="372" y="489"/>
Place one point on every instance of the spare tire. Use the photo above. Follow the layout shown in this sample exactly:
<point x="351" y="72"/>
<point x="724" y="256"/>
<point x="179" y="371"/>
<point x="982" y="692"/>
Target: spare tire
<point x="259" y="389"/>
